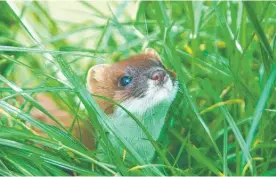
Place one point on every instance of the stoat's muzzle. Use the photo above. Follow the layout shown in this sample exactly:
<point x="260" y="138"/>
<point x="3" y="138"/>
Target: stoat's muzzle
<point x="160" y="76"/>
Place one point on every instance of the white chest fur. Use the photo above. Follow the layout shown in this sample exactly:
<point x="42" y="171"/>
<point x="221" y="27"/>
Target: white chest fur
<point x="153" y="120"/>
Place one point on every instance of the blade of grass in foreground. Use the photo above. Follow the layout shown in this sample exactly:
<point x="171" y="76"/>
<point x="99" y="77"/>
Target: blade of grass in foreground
<point x="252" y="16"/>
<point x="24" y="168"/>
<point x="26" y="150"/>
<point x="8" y="173"/>
<point x="37" y="90"/>
<point x="43" y="51"/>
<point x="260" y="107"/>
<point x="225" y="148"/>
<point x="35" y="71"/>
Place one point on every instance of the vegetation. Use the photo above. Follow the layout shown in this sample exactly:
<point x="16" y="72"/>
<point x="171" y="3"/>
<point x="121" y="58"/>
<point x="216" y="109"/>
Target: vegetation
<point x="221" y="123"/>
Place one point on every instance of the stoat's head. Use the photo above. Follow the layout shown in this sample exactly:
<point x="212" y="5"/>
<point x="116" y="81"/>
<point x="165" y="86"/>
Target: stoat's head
<point x="138" y="83"/>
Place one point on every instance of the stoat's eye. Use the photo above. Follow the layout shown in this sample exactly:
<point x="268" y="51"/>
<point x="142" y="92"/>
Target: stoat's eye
<point x="125" y="81"/>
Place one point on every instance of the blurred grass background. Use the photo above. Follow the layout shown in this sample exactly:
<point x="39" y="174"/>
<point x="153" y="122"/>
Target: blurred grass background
<point x="221" y="123"/>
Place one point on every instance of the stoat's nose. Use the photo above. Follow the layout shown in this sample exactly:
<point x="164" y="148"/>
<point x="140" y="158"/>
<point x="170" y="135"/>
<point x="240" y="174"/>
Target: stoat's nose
<point x="159" y="75"/>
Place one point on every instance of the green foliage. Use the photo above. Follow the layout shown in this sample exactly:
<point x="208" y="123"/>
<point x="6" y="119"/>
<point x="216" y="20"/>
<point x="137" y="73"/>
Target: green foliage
<point x="221" y="123"/>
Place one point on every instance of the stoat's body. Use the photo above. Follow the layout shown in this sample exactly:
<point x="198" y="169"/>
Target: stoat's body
<point x="144" y="87"/>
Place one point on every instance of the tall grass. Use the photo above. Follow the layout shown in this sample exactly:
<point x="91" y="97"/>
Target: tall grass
<point x="221" y="123"/>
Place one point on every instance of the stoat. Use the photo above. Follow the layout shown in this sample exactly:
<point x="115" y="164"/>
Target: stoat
<point x="143" y="86"/>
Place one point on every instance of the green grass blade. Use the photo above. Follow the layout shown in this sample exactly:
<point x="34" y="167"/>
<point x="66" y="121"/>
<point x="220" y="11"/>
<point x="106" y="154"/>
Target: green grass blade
<point x="225" y="149"/>
<point x="43" y="51"/>
<point x="252" y="16"/>
<point x="261" y="105"/>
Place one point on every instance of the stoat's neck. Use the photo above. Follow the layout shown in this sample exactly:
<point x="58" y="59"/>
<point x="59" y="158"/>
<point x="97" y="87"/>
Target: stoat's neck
<point x="153" y="120"/>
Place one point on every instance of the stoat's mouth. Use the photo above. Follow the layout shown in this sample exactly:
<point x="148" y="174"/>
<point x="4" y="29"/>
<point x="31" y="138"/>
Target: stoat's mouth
<point x="161" y="93"/>
<point x="167" y="85"/>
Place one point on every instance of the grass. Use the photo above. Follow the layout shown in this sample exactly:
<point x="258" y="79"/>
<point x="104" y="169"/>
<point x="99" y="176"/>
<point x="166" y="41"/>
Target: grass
<point x="221" y="123"/>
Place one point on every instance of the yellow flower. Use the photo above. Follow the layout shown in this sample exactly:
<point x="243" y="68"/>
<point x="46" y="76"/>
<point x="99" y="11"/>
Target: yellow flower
<point x="221" y="44"/>
<point x="202" y="47"/>
<point x="256" y="37"/>
<point x="188" y="49"/>
<point x="271" y="31"/>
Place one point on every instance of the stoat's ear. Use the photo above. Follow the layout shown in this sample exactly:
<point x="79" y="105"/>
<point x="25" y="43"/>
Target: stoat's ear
<point x="95" y="73"/>
<point x="153" y="53"/>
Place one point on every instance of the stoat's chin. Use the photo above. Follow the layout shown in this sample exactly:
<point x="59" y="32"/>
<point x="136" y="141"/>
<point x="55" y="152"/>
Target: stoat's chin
<point x="155" y="95"/>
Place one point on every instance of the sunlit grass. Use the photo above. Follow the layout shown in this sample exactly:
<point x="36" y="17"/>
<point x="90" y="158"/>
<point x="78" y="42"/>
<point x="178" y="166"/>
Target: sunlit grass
<point x="221" y="123"/>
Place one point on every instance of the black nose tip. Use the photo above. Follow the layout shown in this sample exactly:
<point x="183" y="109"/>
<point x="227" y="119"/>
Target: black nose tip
<point x="159" y="75"/>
